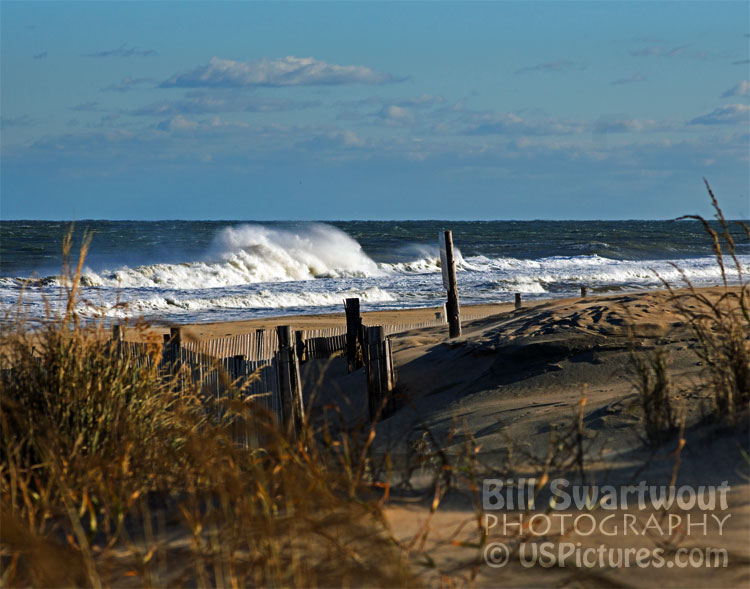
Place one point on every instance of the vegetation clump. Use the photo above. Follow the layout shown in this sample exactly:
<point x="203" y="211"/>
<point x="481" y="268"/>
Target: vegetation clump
<point x="114" y="474"/>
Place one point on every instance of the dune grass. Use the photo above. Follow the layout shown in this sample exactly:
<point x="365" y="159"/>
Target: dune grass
<point x="112" y="474"/>
<point x="720" y="326"/>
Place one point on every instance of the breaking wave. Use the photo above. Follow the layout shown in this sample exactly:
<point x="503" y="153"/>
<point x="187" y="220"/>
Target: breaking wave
<point x="251" y="254"/>
<point x="264" y="299"/>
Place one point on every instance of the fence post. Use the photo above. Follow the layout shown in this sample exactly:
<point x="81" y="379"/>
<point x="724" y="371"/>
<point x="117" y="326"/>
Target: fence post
<point x="389" y="376"/>
<point x="290" y="386"/>
<point x="117" y="338"/>
<point x="375" y="384"/>
<point x="238" y="367"/>
<point x="175" y="343"/>
<point x="299" y="345"/>
<point x="259" y="348"/>
<point x="353" y="322"/>
<point x="449" y="281"/>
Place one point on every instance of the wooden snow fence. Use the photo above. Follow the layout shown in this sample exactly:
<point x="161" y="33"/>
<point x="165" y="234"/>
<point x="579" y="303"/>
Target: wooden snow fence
<point x="260" y="366"/>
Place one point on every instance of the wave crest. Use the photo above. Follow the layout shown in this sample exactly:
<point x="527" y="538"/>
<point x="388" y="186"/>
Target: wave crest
<point x="250" y="254"/>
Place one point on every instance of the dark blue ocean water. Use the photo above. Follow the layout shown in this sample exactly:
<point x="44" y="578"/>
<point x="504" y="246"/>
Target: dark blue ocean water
<point x="187" y="271"/>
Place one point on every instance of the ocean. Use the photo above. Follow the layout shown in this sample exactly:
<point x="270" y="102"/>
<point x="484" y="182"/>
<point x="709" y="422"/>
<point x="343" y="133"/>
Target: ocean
<point x="207" y="271"/>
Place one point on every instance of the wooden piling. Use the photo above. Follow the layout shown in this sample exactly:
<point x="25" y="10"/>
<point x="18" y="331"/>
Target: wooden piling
<point x="449" y="281"/>
<point x="518" y="300"/>
<point x="353" y="323"/>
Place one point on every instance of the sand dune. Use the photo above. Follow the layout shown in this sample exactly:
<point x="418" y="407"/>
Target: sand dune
<point x="515" y="380"/>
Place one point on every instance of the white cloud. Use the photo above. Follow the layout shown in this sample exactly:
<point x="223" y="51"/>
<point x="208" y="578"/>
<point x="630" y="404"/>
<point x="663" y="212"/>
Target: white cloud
<point x="725" y="115"/>
<point x="394" y="111"/>
<point x="741" y="89"/>
<point x="351" y="139"/>
<point x="631" y="80"/>
<point x="513" y="124"/>
<point x="421" y="101"/>
<point x="86" y="107"/>
<point x="22" y="121"/>
<point x="561" y="65"/>
<point x="625" y="125"/>
<point x="178" y="123"/>
<point x="127" y="84"/>
<point x="218" y="101"/>
<point x="396" y="114"/>
<point x="660" y="51"/>
<point x="284" y="71"/>
<point x="124" y="51"/>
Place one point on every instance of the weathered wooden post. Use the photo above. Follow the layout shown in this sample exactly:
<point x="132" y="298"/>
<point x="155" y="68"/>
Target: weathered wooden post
<point x="290" y="385"/>
<point x="374" y="373"/>
<point x="117" y="338"/>
<point x="353" y="322"/>
<point x="584" y="292"/>
<point x="518" y="300"/>
<point x="448" y="265"/>
<point x="362" y="337"/>
<point x="390" y="374"/>
<point x="260" y="335"/>
<point x="381" y="379"/>
<point x="239" y="367"/>
<point x="175" y="344"/>
<point x="236" y="367"/>
<point x="299" y="345"/>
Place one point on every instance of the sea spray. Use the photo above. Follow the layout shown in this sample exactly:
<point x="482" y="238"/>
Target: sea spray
<point x="251" y="254"/>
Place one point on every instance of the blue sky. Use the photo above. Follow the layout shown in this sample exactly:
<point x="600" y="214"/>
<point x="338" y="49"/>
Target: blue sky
<point x="260" y="111"/>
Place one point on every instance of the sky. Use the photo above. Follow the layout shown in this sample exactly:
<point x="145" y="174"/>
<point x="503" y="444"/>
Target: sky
<point x="385" y="110"/>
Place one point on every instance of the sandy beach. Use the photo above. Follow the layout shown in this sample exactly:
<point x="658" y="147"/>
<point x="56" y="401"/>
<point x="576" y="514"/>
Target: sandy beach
<point x="529" y="405"/>
<point x="503" y="390"/>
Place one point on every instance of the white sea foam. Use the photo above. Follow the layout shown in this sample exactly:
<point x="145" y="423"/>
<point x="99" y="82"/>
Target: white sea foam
<point x="251" y="254"/>
<point x="177" y="302"/>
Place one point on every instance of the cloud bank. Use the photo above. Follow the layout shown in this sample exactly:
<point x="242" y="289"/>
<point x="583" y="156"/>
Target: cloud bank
<point x="283" y="71"/>
<point x="725" y="115"/>
<point x="741" y="89"/>
<point x="124" y="51"/>
<point x="631" y="80"/>
<point x="562" y="65"/>
<point x="217" y="101"/>
<point x="127" y="84"/>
